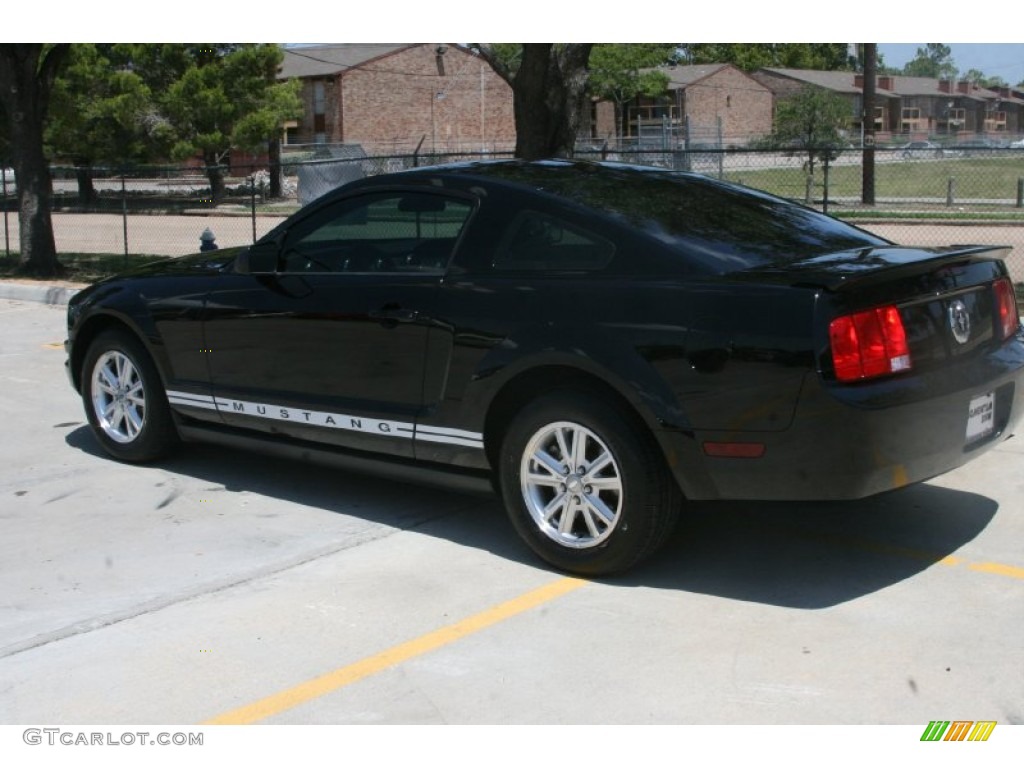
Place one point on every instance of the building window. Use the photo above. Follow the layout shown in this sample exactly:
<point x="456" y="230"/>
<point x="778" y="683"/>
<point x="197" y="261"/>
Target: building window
<point x="995" y="121"/>
<point x="319" y="98"/>
<point x="911" y="120"/>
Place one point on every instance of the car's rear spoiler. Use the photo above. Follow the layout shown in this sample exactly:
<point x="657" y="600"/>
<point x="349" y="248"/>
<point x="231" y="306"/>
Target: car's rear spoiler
<point x="845" y="269"/>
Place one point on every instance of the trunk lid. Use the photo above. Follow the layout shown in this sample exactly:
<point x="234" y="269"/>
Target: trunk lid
<point x="945" y="296"/>
<point x="864" y="266"/>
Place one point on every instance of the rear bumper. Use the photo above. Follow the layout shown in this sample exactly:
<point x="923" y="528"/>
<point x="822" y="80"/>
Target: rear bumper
<point x="848" y="442"/>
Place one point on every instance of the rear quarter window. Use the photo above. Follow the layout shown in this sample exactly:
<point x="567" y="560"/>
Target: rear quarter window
<point x="541" y="242"/>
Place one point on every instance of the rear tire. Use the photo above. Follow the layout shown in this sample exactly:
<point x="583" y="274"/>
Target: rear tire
<point x="125" y="400"/>
<point x="585" y="485"/>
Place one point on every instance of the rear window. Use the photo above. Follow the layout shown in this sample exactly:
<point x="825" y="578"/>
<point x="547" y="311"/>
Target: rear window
<point x="716" y="227"/>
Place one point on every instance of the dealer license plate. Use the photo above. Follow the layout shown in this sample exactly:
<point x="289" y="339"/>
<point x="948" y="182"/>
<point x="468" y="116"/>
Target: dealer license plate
<point x="981" y="416"/>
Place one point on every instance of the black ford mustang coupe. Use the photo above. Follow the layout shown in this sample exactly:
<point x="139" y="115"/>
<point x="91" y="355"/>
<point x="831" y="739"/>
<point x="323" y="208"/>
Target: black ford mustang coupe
<point x="598" y="342"/>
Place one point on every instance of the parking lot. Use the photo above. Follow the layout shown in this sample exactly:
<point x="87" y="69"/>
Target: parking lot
<point x="231" y="588"/>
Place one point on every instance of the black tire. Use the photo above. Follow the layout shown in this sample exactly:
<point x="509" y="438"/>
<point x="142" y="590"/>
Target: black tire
<point x="124" y="399"/>
<point x="596" y="515"/>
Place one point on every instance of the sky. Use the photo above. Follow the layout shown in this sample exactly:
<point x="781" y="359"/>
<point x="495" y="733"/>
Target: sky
<point x="1003" y="59"/>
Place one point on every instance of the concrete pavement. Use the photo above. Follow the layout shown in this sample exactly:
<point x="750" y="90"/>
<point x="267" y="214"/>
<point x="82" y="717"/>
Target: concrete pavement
<point x="46" y="293"/>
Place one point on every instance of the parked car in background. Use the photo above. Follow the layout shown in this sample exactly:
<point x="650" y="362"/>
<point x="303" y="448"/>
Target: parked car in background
<point x="920" y="149"/>
<point x="975" y="147"/>
<point x="1019" y="144"/>
<point x="597" y="342"/>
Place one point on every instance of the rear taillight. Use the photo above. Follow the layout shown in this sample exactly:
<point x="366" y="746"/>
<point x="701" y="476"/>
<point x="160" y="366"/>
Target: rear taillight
<point x="1006" y="308"/>
<point x="869" y="344"/>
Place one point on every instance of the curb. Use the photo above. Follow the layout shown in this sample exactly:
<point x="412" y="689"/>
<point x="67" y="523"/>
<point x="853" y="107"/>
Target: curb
<point x="43" y="292"/>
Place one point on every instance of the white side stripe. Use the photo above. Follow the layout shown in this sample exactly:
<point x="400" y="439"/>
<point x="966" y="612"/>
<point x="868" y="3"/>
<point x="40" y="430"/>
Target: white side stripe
<point x="328" y="420"/>
<point x="426" y="437"/>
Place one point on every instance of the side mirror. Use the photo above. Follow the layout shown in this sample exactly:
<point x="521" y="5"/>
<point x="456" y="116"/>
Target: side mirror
<point x="260" y="259"/>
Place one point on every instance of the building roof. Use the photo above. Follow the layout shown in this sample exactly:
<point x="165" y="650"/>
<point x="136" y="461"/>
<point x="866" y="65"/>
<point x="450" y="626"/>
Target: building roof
<point x="845" y="82"/>
<point x="929" y="86"/>
<point x="324" y="60"/>
<point x="681" y="76"/>
<point x="840" y="82"/>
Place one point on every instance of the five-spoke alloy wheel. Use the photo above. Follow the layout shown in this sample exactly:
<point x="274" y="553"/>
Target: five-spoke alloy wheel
<point x="124" y="398"/>
<point x="118" y="397"/>
<point x="585" y="485"/>
<point x="571" y="485"/>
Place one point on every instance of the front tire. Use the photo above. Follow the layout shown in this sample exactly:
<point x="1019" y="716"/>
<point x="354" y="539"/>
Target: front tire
<point x="125" y="400"/>
<point x="585" y="485"/>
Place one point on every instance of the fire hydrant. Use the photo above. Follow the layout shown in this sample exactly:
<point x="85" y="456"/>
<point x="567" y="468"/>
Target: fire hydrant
<point x="207" y="241"/>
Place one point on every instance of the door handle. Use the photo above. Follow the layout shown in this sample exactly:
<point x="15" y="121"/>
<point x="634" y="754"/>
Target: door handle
<point x="391" y="315"/>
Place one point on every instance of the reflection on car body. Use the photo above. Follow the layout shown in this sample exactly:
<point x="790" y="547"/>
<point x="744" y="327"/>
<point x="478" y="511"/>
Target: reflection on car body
<point x="598" y="342"/>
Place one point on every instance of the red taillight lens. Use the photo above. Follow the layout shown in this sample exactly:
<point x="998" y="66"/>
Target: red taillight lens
<point x="1006" y="308"/>
<point x="869" y="344"/>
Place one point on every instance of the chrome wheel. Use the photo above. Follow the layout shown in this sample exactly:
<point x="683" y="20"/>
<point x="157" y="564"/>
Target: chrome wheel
<point x="571" y="485"/>
<point x="118" y="397"/>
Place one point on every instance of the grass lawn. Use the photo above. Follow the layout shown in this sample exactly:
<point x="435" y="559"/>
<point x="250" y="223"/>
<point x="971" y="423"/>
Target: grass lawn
<point x="974" y="179"/>
<point x="84" y="267"/>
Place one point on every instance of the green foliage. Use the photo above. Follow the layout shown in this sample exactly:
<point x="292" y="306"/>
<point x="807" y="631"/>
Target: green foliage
<point x="979" y="78"/>
<point x="752" y="56"/>
<point x="140" y="102"/>
<point x="102" y="113"/>
<point x="813" y="121"/>
<point x="934" y="60"/>
<point x="620" y="72"/>
<point x="215" y="96"/>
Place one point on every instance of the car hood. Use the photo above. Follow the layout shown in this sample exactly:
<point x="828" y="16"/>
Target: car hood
<point x="207" y="261"/>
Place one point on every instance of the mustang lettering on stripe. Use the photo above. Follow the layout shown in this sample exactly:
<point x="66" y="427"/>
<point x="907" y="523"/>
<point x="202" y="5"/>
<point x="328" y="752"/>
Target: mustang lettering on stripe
<point x="330" y="420"/>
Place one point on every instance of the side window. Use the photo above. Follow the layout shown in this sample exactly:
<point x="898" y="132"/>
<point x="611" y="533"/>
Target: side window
<point x="394" y="232"/>
<point x="539" y="242"/>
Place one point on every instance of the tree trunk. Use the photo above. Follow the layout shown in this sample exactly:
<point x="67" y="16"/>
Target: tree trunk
<point x="86" y="189"/>
<point x="548" y="94"/>
<point x="274" y="155"/>
<point x="26" y="80"/>
<point x="215" y="173"/>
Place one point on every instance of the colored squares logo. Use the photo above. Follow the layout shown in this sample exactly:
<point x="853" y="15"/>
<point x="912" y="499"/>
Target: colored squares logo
<point x="958" y="730"/>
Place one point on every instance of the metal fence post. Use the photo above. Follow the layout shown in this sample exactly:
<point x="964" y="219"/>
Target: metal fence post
<point x="252" y="198"/>
<point x="7" y="232"/>
<point x="950" y="190"/>
<point x="124" y="217"/>
<point x="809" y="190"/>
<point x="824" y="199"/>
<point x="416" y="152"/>
<point x="1020" y="193"/>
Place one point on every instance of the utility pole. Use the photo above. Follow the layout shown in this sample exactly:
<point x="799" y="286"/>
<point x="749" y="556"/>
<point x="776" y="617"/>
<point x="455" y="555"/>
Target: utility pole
<point x="867" y="189"/>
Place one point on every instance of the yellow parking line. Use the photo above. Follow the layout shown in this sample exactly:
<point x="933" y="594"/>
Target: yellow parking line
<point x="998" y="568"/>
<point x="892" y="550"/>
<point x="339" y="678"/>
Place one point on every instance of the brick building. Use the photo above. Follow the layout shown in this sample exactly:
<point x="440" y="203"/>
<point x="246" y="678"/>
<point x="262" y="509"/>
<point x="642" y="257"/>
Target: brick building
<point x="389" y="98"/>
<point x="703" y="103"/>
<point x="913" y="107"/>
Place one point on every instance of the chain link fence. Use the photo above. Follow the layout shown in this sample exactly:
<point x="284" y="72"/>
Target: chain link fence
<point x="924" y="195"/>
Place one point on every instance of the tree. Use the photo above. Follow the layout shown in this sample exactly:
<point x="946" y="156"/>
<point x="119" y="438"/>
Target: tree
<point x="935" y="60"/>
<point x="549" y="82"/>
<point x="620" y="72"/>
<point x="752" y="56"/>
<point x="27" y="74"/>
<point x="217" y="97"/>
<point x="102" y="113"/>
<point x="812" y="121"/>
<point x="982" y="80"/>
